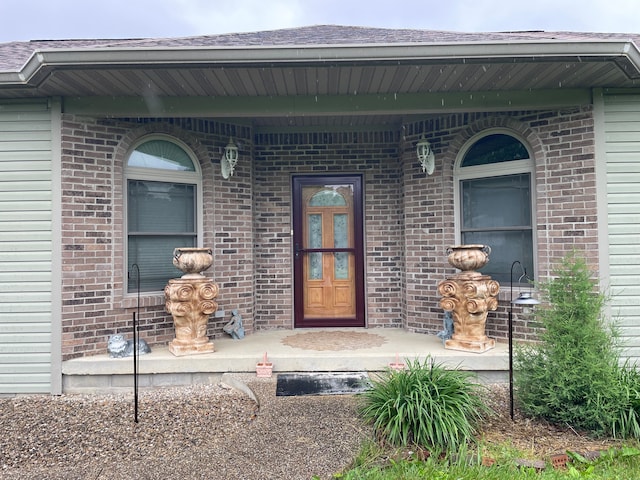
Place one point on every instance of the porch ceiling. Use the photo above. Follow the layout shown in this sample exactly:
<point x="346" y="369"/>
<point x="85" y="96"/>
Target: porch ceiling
<point x="219" y="80"/>
<point x="311" y="85"/>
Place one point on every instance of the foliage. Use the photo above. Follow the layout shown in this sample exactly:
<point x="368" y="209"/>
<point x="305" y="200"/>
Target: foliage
<point x="573" y="375"/>
<point x="612" y="459"/>
<point x="426" y="405"/>
<point x="627" y="423"/>
<point x="613" y="464"/>
<point x="371" y="454"/>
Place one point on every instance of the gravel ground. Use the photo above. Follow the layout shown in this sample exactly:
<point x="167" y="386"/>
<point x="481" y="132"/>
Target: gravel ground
<point x="213" y="432"/>
<point x="205" y="431"/>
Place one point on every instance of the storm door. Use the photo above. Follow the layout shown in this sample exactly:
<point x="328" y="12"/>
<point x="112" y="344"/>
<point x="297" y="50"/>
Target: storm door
<point x="328" y="251"/>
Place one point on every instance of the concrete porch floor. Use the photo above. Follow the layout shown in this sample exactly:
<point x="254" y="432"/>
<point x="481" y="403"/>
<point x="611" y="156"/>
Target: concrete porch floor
<point x="102" y="374"/>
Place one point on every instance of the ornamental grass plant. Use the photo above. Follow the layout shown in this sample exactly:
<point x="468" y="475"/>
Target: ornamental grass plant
<point x="426" y="405"/>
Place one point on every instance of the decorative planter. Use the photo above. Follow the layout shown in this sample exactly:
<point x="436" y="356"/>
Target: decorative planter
<point x="192" y="260"/>
<point x="264" y="369"/>
<point x="469" y="295"/>
<point x="191" y="300"/>
<point x="469" y="258"/>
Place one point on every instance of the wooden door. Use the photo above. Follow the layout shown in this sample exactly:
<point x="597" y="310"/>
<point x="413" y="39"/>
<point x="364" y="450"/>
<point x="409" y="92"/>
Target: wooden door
<point x="328" y="251"/>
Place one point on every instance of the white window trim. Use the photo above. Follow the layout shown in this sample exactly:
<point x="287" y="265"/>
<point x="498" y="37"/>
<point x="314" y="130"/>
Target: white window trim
<point x="495" y="170"/>
<point x="158" y="175"/>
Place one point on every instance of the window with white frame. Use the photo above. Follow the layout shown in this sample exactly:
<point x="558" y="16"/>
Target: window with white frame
<point x="495" y="196"/>
<point x="163" y="184"/>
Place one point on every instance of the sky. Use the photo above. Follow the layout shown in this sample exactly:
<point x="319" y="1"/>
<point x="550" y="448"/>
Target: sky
<point x="72" y="19"/>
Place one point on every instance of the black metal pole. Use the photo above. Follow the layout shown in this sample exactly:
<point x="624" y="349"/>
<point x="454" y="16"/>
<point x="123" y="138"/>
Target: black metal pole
<point x="135" y="371"/>
<point x="511" y="339"/>
<point x="135" y="346"/>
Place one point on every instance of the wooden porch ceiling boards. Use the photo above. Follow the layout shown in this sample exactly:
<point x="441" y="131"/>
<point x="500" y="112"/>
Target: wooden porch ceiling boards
<point x="326" y="80"/>
<point x="345" y="96"/>
<point x="331" y="76"/>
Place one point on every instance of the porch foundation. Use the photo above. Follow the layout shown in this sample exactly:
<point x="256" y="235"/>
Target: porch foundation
<point x="160" y="368"/>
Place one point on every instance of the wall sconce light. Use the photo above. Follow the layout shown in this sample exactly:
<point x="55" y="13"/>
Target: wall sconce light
<point x="528" y="302"/>
<point x="229" y="159"/>
<point x="426" y="156"/>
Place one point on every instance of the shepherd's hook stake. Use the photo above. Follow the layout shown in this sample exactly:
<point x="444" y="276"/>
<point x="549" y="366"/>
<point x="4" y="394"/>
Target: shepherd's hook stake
<point x="135" y="346"/>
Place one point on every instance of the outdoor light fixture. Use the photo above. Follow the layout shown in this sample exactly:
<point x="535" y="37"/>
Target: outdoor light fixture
<point x="526" y="300"/>
<point x="426" y="156"/>
<point x="229" y="159"/>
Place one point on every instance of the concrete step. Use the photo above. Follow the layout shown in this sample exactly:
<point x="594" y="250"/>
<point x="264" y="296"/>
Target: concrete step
<point x="102" y="374"/>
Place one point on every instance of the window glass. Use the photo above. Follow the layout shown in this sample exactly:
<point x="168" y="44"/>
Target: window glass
<point x="494" y="149"/>
<point x="327" y="198"/>
<point x="152" y="254"/>
<point x="315" y="241"/>
<point x="496" y="202"/>
<point x="161" y="154"/>
<point x="506" y="246"/>
<point x="161" y="214"/>
<point x="496" y="209"/>
<point x="341" y="240"/>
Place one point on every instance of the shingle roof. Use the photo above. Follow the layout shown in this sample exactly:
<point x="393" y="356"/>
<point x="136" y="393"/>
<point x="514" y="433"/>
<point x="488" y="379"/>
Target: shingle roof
<point x="13" y="55"/>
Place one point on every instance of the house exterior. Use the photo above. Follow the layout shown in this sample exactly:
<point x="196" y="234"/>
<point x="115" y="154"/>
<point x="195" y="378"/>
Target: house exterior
<point x="111" y="155"/>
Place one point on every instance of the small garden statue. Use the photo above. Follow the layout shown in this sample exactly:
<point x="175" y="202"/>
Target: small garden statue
<point x="234" y="327"/>
<point x="447" y="320"/>
<point x="119" y="347"/>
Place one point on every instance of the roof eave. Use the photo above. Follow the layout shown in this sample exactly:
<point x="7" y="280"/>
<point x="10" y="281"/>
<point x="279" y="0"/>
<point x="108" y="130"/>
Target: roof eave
<point x="330" y="53"/>
<point x="624" y="53"/>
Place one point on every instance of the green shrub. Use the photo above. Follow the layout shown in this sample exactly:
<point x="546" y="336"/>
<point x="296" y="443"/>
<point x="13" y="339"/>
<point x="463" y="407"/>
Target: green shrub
<point x="627" y="422"/>
<point x="573" y="375"/>
<point x="426" y="405"/>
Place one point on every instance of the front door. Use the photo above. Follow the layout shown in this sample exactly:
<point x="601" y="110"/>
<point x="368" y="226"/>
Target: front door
<point x="328" y="251"/>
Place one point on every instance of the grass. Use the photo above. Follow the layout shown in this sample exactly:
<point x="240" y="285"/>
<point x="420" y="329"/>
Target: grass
<point x="425" y="423"/>
<point x="377" y="463"/>
<point x="425" y="420"/>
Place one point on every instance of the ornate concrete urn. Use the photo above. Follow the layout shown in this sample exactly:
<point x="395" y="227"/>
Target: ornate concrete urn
<point x="190" y="299"/>
<point x="469" y="295"/>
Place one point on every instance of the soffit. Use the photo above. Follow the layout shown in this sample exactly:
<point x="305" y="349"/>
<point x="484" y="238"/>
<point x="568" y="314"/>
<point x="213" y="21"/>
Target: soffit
<point x="154" y="70"/>
<point x="326" y="81"/>
<point x="249" y="81"/>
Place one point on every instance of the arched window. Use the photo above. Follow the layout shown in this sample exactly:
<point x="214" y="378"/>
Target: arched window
<point x="163" y="185"/>
<point x="495" y="201"/>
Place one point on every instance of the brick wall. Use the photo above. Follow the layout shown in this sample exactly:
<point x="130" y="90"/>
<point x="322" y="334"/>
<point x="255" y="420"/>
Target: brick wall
<point x="409" y="219"/>
<point x="95" y="304"/>
<point x="562" y="144"/>
<point x="373" y="154"/>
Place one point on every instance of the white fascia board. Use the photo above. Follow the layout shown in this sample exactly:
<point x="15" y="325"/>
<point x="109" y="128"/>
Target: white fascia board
<point x="324" y="53"/>
<point x="12" y="78"/>
<point x="633" y="54"/>
<point x="43" y="60"/>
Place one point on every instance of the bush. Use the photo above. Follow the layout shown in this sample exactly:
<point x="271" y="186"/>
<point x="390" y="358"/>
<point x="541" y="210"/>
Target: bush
<point x="627" y="423"/>
<point x="573" y="376"/>
<point x="424" y="405"/>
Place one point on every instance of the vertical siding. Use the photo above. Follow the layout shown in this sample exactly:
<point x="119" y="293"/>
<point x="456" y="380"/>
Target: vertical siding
<point x="25" y="248"/>
<point x="622" y="149"/>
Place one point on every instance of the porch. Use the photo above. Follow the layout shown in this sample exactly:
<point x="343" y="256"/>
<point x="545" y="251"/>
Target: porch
<point x="299" y="350"/>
